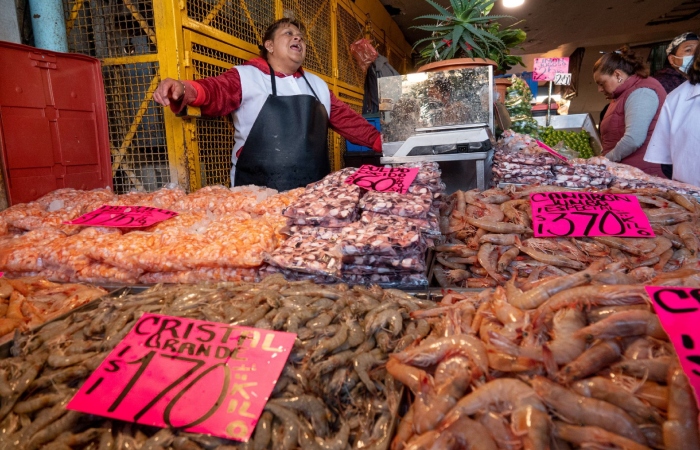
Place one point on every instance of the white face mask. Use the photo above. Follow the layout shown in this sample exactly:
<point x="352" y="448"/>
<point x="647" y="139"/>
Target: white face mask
<point x="687" y="61"/>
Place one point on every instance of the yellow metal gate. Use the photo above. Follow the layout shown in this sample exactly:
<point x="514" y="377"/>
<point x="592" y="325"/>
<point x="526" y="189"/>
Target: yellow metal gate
<point x="141" y="42"/>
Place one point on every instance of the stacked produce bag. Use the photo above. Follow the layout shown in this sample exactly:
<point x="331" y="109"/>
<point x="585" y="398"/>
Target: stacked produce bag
<point x="386" y="246"/>
<point x="517" y="101"/>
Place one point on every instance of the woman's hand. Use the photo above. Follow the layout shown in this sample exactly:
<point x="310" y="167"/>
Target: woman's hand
<point x="169" y="89"/>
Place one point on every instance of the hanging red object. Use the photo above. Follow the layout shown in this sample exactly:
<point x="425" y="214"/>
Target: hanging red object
<point x="53" y="122"/>
<point x="364" y="53"/>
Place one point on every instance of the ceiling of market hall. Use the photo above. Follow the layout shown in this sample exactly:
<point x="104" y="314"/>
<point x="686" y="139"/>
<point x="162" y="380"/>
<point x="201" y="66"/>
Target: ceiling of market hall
<point x="557" y="27"/>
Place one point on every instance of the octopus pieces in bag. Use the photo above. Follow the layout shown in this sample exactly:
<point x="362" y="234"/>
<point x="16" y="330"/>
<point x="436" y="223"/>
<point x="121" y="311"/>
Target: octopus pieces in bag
<point x="199" y="275"/>
<point x="333" y="205"/>
<point x="413" y="261"/>
<point x="396" y="204"/>
<point x="405" y="279"/>
<point x="305" y="253"/>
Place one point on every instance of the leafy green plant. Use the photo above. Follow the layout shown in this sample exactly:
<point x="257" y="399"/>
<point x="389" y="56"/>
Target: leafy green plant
<point x="465" y="29"/>
<point x="512" y="38"/>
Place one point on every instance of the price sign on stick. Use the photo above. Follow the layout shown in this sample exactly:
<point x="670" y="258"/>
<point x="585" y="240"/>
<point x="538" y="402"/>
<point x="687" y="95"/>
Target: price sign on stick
<point x="678" y="309"/>
<point x="203" y="377"/>
<point x="123" y="217"/>
<point x="383" y="179"/>
<point x="545" y="69"/>
<point x="579" y="214"/>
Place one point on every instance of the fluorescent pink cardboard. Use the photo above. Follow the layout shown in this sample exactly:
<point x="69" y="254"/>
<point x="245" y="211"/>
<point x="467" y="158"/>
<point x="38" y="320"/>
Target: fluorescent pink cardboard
<point x="123" y="217"/>
<point x="383" y="179"/>
<point x="577" y="214"/>
<point x="204" y="377"/>
<point x="678" y="309"/>
<point x="545" y="68"/>
<point x="551" y="151"/>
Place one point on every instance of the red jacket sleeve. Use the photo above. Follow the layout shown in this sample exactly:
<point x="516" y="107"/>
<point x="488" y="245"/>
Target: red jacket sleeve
<point x="217" y="96"/>
<point x="353" y="126"/>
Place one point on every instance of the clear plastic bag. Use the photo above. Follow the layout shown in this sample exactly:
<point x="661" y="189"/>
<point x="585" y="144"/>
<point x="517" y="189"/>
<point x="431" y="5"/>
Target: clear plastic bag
<point x="364" y="53"/>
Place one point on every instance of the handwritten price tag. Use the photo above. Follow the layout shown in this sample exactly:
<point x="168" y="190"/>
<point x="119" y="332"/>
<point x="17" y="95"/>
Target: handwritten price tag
<point x="562" y="79"/>
<point x="203" y="377"/>
<point x="678" y="309"/>
<point x="551" y="151"/>
<point x="383" y="179"/>
<point x="545" y="69"/>
<point x="577" y="214"/>
<point x="123" y="217"/>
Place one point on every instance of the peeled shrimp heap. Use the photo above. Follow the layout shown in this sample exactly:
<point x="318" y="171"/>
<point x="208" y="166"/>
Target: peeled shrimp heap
<point x="490" y="239"/>
<point x="219" y="234"/>
<point x="29" y="302"/>
<point x="333" y="392"/>
<point x="547" y="363"/>
<point x="385" y="246"/>
<point x="519" y="160"/>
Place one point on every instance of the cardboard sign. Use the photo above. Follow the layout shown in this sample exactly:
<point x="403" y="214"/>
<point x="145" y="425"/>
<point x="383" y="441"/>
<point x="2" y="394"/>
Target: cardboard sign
<point x="546" y="68"/>
<point x="562" y="79"/>
<point x="204" y="377"/>
<point x="678" y="309"/>
<point x="123" y="217"/>
<point x="383" y="179"/>
<point x="551" y="151"/>
<point x="580" y="214"/>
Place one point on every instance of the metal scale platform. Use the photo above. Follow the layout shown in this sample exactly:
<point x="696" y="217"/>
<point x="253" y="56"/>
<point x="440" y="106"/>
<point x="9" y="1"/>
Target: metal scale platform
<point x="445" y="117"/>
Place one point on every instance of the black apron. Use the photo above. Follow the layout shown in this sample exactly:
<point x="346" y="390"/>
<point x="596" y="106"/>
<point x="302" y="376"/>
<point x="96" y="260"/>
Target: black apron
<point x="287" y="147"/>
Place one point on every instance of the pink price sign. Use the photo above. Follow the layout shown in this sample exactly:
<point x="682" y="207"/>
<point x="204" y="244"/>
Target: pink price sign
<point x="678" y="309"/>
<point x="546" y="68"/>
<point x="580" y="214"/>
<point x="383" y="179"/>
<point x="123" y="217"/>
<point x="204" y="377"/>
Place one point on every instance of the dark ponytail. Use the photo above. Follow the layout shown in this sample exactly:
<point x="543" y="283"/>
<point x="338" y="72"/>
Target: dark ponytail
<point x="624" y="60"/>
<point x="274" y="26"/>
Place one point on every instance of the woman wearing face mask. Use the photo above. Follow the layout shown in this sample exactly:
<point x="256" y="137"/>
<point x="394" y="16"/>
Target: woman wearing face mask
<point x="679" y="54"/>
<point x="676" y="139"/>
<point x="281" y="113"/>
<point x="636" y="101"/>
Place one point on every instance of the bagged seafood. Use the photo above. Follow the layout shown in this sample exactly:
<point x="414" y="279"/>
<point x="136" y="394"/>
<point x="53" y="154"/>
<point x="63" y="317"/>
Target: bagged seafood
<point x="327" y="206"/>
<point x="415" y="206"/>
<point x="309" y="254"/>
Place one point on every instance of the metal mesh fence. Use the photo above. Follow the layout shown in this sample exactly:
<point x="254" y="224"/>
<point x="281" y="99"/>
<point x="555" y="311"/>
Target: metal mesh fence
<point x="244" y="19"/>
<point x="396" y="60"/>
<point x="136" y="127"/>
<point x="110" y="29"/>
<point x="214" y="136"/>
<point x="349" y="31"/>
<point x="316" y="17"/>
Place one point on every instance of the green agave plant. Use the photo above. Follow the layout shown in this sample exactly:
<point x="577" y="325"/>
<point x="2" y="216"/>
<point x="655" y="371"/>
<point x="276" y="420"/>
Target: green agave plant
<point x="512" y="38"/>
<point x="465" y="29"/>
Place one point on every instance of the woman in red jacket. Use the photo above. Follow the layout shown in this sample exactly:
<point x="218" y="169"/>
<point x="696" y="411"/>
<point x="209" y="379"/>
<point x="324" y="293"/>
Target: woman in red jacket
<point x="636" y="101"/>
<point x="281" y="113"/>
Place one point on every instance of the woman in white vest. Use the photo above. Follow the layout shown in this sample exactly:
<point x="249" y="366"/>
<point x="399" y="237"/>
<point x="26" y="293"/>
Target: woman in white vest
<point x="281" y="113"/>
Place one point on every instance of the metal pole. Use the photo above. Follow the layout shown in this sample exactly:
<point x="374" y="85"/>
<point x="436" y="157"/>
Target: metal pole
<point x="549" y="103"/>
<point x="49" y="25"/>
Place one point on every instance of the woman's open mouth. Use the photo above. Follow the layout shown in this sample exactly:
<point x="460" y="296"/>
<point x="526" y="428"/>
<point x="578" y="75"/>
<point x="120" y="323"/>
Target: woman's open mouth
<point x="295" y="47"/>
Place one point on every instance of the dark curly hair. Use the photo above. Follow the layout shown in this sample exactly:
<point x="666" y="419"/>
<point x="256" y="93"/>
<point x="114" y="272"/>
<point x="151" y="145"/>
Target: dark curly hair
<point x="623" y="59"/>
<point x="694" y="71"/>
<point x="274" y="26"/>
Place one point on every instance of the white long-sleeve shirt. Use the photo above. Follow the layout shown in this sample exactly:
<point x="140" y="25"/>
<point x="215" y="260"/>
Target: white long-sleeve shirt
<point x="676" y="138"/>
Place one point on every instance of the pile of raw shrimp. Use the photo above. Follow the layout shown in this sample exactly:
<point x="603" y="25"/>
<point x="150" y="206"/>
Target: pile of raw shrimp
<point x="554" y="363"/>
<point x="490" y="239"/>
<point x="334" y="392"/>
<point x="220" y="234"/>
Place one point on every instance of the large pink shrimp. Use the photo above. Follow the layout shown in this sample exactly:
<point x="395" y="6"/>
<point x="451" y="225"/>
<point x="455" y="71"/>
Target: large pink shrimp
<point x="429" y="353"/>
<point x="625" y="323"/>
<point x="507" y="394"/>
